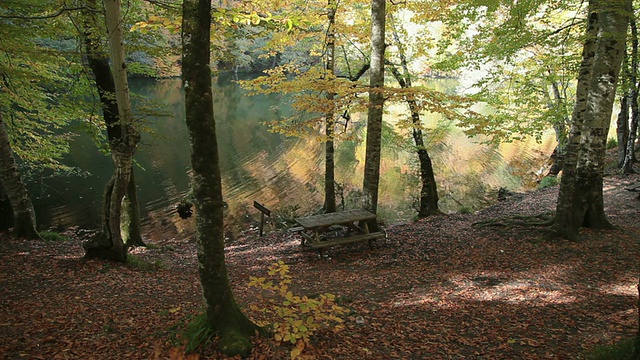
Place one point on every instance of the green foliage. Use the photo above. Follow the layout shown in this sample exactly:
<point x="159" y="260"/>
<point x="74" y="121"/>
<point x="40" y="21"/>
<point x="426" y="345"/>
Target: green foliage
<point x="42" y="86"/>
<point x="612" y="143"/>
<point x="528" y="53"/>
<point x="53" y="236"/>
<point x="142" y="264"/>
<point x="465" y="210"/>
<point x="548" y="181"/>
<point x="197" y="333"/>
<point x="295" y="318"/>
<point x="622" y="350"/>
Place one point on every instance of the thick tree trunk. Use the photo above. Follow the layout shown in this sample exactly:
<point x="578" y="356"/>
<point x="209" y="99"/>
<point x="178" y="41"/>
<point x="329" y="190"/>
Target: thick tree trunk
<point x="376" y="102"/>
<point x="329" y="178"/>
<point x="629" y="154"/>
<point x="580" y="199"/>
<point x="223" y="314"/>
<point x="24" y="217"/>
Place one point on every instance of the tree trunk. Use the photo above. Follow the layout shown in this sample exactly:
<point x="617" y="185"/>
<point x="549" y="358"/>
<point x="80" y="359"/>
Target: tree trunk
<point x="580" y="199"/>
<point x="622" y="123"/>
<point x="429" y="190"/>
<point x="560" y="129"/>
<point x="123" y="137"/>
<point x="223" y="314"/>
<point x="131" y="227"/>
<point x="376" y="102"/>
<point x="629" y="156"/>
<point x="24" y="217"/>
<point x="98" y="62"/>
<point x="329" y="178"/>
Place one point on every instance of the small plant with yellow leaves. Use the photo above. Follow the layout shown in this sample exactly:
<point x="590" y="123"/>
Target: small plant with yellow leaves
<point x="295" y="318"/>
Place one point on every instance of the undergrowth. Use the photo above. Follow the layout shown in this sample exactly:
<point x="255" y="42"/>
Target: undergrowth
<point x="53" y="236"/>
<point x="622" y="350"/>
<point x="139" y="263"/>
<point x="294" y="319"/>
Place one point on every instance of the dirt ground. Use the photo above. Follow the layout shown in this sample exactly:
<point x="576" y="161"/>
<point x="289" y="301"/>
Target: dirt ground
<point x="439" y="288"/>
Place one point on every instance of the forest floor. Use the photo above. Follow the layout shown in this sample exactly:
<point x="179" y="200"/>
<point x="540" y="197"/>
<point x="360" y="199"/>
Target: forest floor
<point x="440" y="288"/>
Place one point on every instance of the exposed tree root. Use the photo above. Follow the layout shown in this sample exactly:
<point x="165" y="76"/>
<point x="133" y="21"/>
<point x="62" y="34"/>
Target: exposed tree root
<point x="543" y="219"/>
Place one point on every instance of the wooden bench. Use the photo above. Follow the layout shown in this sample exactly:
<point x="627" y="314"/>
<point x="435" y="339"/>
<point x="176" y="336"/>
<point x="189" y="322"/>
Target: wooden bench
<point x="313" y="229"/>
<point x="346" y="240"/>
<point x="296" y="229"/>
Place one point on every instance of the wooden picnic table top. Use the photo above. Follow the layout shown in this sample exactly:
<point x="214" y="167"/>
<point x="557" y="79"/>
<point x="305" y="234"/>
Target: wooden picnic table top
<point x="336" y="218"/>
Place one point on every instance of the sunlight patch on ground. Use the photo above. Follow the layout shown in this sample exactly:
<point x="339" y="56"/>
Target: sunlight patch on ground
<point x="536" y="288"/>
<point x="625" y="289"/>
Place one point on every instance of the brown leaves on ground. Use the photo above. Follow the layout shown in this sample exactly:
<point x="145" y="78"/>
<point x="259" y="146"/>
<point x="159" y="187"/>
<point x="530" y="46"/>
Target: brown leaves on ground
<point x="435" y="289"/>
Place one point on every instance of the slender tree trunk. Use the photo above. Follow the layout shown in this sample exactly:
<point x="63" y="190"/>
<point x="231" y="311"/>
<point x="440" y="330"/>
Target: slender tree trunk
<point x="24" y="217"/>
<point x="560" y="129"/>
<point x="429" y="190"/>
<point x="376" y="103"/>
<point x="580" y="199"/>
<point x="622" y="123"/>
<point x="223" y="314"/>
<point x="110" y="244"/>
<point x="629" y="156"/>
<point x="98" y="62"/>
<point x="329" y="178"/>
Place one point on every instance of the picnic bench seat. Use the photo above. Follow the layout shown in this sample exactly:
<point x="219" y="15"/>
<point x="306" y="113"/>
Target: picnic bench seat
<point x="296" y="229"/>
<point x="346" y="240"/>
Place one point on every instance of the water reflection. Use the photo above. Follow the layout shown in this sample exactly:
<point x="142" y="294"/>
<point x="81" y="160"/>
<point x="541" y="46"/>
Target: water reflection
<point x="282" y="173"/>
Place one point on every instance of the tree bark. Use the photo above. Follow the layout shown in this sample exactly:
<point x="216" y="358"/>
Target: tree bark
<point x="560" y="128"/>
<point x="629" y="156"/>
<point x="622" y="123"/>
<point x="376" y="103"/>
<point x="123" y="137"/>
<point x="223" y="314"/>
<point x="24" y="217"/>
<point x="329" y="177"/>
<point x="580" y="199"/>
<point x="429" y="189"/>
<point x="132" y="229"/>
<point x="98" y="62"/>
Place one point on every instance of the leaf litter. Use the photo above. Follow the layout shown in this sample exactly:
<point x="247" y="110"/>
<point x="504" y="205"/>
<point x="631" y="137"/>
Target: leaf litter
<point x="438" y="288"/>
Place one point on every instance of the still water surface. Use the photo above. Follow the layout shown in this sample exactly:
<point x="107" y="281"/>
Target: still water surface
<point x="283" y="173"/>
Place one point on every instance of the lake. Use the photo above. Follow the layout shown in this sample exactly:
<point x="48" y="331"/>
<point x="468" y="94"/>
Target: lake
<point x="283" y="173"/>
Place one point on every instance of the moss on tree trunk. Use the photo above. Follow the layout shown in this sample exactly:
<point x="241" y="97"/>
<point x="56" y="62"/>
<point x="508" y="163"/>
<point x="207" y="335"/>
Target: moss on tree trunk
<point x="223" y="314"/>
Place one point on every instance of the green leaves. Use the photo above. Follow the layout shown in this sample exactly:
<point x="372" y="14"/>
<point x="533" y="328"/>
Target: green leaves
<point x="295" y="318"/>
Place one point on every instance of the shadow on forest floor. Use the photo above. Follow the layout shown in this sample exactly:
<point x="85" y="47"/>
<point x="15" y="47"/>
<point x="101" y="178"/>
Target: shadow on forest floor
<point x="435" y="289"/>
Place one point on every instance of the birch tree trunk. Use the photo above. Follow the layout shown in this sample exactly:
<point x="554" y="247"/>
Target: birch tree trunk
<point x="24" y="217"/>
<point x="376" y="102"/>
<point x="580" y="198"/>
<point x="223" y="314"/>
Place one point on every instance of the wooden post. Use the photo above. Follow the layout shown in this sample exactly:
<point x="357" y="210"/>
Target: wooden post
<point x="263" y="211"/>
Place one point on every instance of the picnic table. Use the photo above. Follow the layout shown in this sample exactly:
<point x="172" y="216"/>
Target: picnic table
<point x="313" y="228"/>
